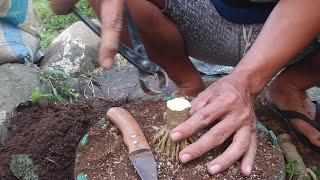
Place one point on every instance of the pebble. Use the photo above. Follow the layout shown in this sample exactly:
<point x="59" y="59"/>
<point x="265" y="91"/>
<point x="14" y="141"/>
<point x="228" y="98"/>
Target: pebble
<point x="82" y="176"/>
<point x="85" y="140"/>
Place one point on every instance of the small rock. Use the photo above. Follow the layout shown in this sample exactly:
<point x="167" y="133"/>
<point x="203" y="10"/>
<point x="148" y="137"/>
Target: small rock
<point x="102" y="122"/>
<point x="85" y="140"/>
<point x="17" y="83"/>
<point x="82" y="176"/>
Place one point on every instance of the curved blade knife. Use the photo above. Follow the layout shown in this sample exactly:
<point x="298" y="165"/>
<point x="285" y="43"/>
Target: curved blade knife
<point x="140" y="154"/>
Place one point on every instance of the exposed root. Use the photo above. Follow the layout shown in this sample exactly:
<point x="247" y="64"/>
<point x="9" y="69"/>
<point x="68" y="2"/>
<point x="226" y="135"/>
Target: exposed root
<point x="176" y="113"/>
<point x="167" y="146"/>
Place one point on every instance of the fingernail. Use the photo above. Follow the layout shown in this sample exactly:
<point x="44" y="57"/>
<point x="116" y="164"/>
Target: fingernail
<point x="214" y="169"/>
<point x="176" y="136"/>
<point x="185" y="158"/>
<point x="249" y="169"/>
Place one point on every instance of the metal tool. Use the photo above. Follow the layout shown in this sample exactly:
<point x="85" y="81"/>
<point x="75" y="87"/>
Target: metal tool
<point x="136" y="56"/>
<point x="140" y="154"/>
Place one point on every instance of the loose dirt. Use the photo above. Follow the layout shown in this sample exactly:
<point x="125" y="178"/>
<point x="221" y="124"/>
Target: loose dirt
<point x="50" y="135"/>
<point x="106" y="156"/>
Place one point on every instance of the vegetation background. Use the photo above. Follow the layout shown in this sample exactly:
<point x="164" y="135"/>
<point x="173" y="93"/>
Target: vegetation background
<point x="51" y="24"/>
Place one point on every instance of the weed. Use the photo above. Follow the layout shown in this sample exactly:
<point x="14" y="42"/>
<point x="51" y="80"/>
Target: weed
<point x="51" y="24"/>
<point x="290" y="169"/>
<point x="23" y="168"/>
<point x="316" y="171"/>
<point x="59" y="93"/>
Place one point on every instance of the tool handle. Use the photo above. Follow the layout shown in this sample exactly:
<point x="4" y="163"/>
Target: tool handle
<point x="133" y="136"/>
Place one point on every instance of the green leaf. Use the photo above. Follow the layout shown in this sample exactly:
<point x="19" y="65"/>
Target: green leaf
<point x="296" y="173"/>
<point x="294" y="162"/>
<point x="36" y="95"/>
<point x="289" y="168"/>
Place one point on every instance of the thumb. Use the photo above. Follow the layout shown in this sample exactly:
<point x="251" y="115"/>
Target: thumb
<point x="111" y="16"/>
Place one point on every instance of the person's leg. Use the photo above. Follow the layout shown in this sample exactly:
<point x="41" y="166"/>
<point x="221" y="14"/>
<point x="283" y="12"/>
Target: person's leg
<point x="164" y="44"/>
<point x="288" y="91"/>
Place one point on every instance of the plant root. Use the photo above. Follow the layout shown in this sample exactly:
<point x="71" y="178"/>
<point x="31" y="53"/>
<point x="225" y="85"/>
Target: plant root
<point x="167" y="146"/>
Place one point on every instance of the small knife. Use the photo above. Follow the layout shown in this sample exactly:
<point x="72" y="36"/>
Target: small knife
<point x="140" y="153"/>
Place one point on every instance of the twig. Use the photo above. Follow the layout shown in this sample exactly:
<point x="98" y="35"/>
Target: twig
<point x="50" y="160"/>
<point x="312" y="174"/>
<point x="174" y="172"/>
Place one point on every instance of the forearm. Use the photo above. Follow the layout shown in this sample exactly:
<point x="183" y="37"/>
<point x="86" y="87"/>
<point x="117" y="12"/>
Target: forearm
<point x="62" y="6"/>
<point x="290" y="27"/>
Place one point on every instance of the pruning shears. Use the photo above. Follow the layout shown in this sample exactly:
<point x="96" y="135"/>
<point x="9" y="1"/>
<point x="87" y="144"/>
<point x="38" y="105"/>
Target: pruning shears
<point x="136" y="56"/>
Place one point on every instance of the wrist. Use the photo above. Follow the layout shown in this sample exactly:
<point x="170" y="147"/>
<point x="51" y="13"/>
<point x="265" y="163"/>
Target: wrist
<point x="250" y="81"/>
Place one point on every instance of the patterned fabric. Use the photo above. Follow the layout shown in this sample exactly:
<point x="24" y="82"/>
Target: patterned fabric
<point x="19" y="31"/>
<point x="211" y="38"/>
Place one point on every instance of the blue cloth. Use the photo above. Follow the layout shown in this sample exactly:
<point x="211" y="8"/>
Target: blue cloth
<point x="14" y="40"/>
<point x="250" y="15"/>
<point x="12" y="34"/>
<point x="17" y="13"/>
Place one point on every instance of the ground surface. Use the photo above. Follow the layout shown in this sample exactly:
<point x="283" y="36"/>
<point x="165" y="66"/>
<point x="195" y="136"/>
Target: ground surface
<point x="106" y="156"/>
<point x="50" y="134"/>
<point x="271" y="121"/>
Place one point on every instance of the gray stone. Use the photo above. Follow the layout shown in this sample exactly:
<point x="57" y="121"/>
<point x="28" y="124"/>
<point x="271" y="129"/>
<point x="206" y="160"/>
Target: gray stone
<point x="75" y="50"/>
<point x="122" y="82"/>
<point x="314" y="93"/>
<point x="17" y="83"/>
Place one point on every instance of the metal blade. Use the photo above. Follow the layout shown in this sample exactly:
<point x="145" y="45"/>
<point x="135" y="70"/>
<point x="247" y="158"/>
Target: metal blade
<point x="145" y="165"/>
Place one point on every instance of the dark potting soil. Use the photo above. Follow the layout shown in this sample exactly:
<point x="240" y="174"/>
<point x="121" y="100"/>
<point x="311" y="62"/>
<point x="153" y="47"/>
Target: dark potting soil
<point x="50" y="134"/>
<point x="106" y="156"/>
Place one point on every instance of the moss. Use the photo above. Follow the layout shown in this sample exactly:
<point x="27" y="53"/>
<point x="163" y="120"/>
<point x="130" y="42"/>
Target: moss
<point x="23" y="168"/>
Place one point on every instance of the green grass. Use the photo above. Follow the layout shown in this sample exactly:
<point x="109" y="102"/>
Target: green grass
<point x="51" y="25"/>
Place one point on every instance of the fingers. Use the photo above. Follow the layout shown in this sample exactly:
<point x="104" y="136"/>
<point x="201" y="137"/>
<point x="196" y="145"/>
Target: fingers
<point x="198" y="120"/>
<point x="307" y="130"/>
<point x="235" y="151"/>
<point x="213" y="138"/>
<point x="200" y="101"/>
<point x="248" y="159"/>
<point x="111" y="15"/>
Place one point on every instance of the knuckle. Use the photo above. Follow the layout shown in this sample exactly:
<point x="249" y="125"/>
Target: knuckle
<point x="231" y="98"/>
<point x="204" y="118"/>
<point x="217" y="137"/>
<point x="115" y="23"/>
<point x="245" y="114"/>
<point x="244" y="148"/>
<point x="202" y="148"/>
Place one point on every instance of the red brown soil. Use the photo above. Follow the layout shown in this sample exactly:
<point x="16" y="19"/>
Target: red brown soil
<point x="106" y="156"/>
<point x="50" y="134"/>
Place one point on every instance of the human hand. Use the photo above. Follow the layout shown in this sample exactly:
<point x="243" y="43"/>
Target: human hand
<point x="228" y="101"/>
<point x="110" y="13"/>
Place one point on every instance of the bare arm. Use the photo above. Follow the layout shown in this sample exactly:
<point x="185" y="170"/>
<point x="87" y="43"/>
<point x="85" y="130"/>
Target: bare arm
<point x="290" y="27"/>
<point x="62" y="6"/>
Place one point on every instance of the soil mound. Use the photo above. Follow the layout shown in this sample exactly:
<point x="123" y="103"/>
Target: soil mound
<point x="106" y="156"/>
<point x="50" y="134"/>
